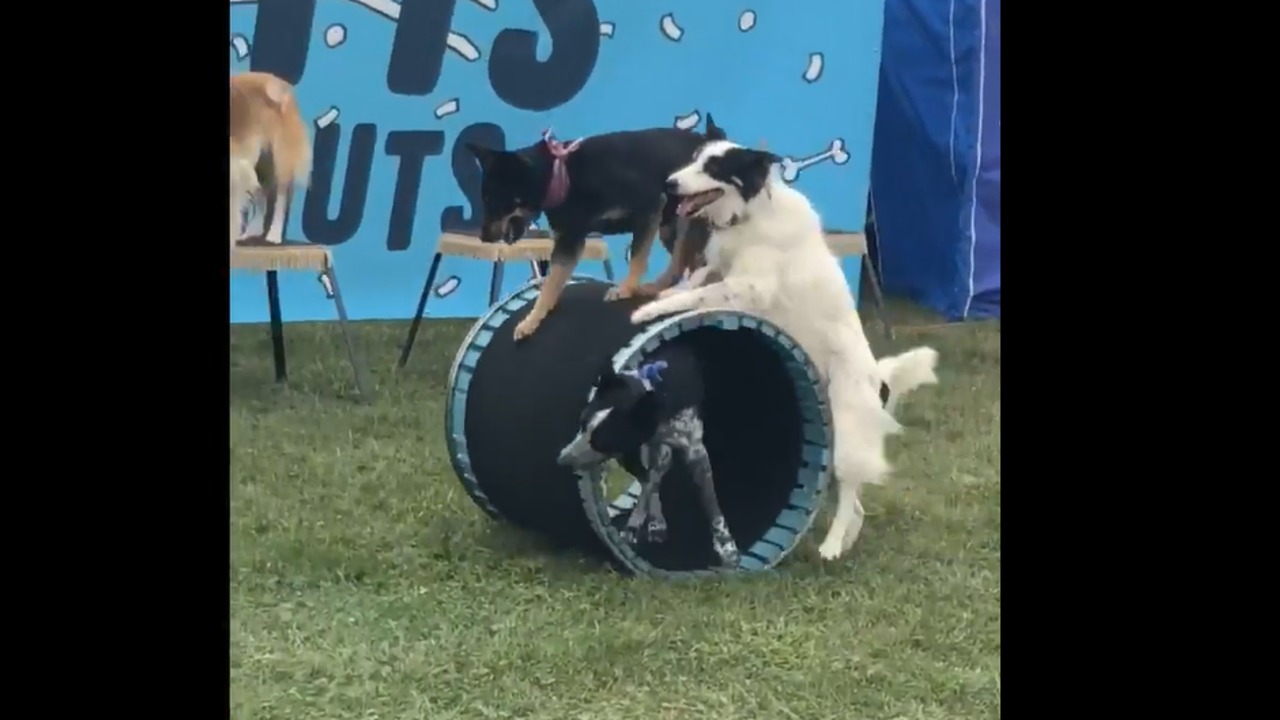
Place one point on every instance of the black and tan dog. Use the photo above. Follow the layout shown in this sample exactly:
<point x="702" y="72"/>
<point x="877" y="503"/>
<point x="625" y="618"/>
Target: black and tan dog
<point x="609" y="184"/>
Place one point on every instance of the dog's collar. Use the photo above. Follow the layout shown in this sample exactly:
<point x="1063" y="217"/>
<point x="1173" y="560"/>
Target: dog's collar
<point x="558" y="185"/>
<point x="648" y="374"/>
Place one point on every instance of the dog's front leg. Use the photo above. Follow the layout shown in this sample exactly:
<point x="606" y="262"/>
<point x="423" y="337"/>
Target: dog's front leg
<point x="632" y="533"/>
<point x="689" y="433"/>
<point x="704" y="275"/>
<point x="704" y="297"/>
<point x="641" y="244"/>
<point x="657" y="459"/>
<point x="846" y="525"/>
<point x="564" y="258"/>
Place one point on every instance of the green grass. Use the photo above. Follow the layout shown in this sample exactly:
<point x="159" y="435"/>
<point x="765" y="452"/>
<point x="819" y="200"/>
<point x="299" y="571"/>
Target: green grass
<point x="365" y="584"/>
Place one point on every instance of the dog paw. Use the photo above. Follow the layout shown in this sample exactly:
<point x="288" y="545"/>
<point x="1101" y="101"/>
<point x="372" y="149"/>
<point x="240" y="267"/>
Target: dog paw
<point x="671" y="291"/>
<point x="728" y="552"/>
<point x="622" y="292"/>
<point x="527" y="327"/>
<point x="830" y="550"/>
<point x="656" y="532"/>
<point x="642" y="314"/>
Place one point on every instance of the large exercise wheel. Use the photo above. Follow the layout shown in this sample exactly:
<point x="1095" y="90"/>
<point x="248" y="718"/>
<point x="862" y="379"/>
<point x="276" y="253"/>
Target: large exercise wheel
<point x="512" y="407"/>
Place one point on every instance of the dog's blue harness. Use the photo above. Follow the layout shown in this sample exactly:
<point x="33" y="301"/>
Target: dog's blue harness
<point x="648" y="374"/>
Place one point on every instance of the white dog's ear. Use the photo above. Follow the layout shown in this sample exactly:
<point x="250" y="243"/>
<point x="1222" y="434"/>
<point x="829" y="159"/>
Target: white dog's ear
<point x="748" y="169"/>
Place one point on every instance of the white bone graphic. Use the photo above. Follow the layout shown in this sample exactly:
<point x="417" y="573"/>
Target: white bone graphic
<point x="335" y="35"/>
<point x="792" y="168"/>
<point x="813" y="71"/>
<point x="329" y="117"/>
<point x="448" y="286"/>
<point x="447" y="108"/>
<point x="490" y="5"/>
<point x="606" y="29"/>
<point x="669" y="28"/>
<point x="240" y="44"/>
<point x="747" y="20"/>
<point x="457" y="42"/>
<point x="688" y="122"/>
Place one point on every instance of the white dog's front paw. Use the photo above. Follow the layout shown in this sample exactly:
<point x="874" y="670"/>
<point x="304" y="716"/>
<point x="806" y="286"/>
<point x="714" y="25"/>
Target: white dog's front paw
<point x="831" y="550"/>
<point x="671" y="291"/>
<point x="643" y="314"/>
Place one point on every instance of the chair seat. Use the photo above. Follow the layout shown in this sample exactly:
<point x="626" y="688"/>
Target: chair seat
<point x="528" y="248"/>
<point x="843" y="244"/>
<point x="286" y="256"/>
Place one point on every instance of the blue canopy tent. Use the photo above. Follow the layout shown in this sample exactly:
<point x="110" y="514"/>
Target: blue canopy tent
<point x="935" y="163"/>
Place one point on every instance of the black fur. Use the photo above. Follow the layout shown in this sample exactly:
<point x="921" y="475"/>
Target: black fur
<point x="620" y="172"/>
<point x="744" y="168"/>
<point x="637" y="412"/>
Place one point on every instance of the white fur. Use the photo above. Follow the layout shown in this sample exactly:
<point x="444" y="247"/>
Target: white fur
<point x="775" y="263"/>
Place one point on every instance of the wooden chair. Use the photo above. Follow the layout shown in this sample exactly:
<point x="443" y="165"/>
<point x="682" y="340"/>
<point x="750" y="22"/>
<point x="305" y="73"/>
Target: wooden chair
<point x="846" y="244"/>
<point x="271" y="259"/>
<point x="535" y="247"/>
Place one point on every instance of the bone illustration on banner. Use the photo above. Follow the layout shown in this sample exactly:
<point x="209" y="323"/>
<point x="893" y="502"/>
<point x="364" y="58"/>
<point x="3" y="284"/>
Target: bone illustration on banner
<point x="447" y="108"/>
<point x="670" y="30"/>
<point x="457" y="42"/>
<point x="606" y="29"/>
<point x="240" y="44"/>
<point x="335" y="35"/>
<point x="329" y="117"/>
<point x="813" y="71"/>
<point x="688" y="122"/>
<point x="791" y="168"/>
<point x="448" y="286"/>
<point x="747" y="20"/>
<point x="490" y="5"/>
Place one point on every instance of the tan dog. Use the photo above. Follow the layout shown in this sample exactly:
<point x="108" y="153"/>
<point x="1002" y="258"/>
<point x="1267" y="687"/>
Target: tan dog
<point x="267" y="133"/>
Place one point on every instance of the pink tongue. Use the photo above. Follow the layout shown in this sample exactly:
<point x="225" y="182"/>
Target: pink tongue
<point x="683" y="208"/>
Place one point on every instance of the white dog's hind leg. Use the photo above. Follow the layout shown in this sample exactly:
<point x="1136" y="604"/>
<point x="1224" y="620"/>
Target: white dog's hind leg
<point x="847" y="523"/>
<point x="860" y="426"/>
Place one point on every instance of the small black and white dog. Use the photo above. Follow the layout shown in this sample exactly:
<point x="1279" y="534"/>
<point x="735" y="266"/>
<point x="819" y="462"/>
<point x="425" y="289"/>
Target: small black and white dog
<point x="610" y="184"/>
<point x="642" y="418"/>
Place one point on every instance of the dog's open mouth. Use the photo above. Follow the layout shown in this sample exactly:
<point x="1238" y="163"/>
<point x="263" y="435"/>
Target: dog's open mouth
<point x="690" y="204"/>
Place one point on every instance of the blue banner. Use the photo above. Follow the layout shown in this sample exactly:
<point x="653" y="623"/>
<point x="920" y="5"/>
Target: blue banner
<point x="393" y="91"/>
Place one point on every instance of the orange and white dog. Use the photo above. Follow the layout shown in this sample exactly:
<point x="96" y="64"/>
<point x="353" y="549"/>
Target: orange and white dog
<point x="266" y="125"/>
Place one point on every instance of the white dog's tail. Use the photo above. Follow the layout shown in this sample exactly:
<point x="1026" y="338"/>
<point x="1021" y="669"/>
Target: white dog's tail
<point x="905" y="372"/>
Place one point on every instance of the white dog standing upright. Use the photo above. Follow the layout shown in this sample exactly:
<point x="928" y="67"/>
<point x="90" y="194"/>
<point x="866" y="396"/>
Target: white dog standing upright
<point x="768" y="248"/>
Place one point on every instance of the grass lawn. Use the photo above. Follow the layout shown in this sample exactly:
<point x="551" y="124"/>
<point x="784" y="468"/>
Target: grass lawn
<point x="365" y="584"/>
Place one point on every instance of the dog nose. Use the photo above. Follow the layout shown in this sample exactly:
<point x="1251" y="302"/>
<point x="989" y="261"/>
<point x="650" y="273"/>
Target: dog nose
<point x="673" y="186"/>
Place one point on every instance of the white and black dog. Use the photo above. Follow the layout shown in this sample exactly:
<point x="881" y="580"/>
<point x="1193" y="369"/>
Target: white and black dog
<point x="768" y="256"/>
<point x="642" y="418"/>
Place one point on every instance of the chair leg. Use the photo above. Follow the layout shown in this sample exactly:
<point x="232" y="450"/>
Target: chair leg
<point x="608" y="270"/>
<point x="358" y="366"/>
<point x="277" y="325"/>
<point x="877" y="295"/>
<point x="422" y="308"/>
<point x="495" y="282"/>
